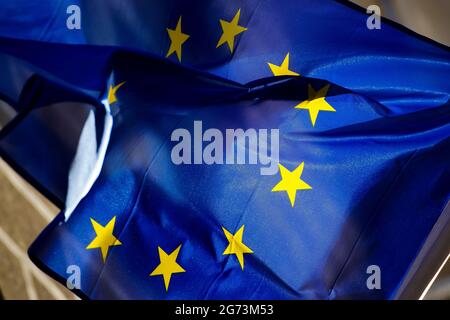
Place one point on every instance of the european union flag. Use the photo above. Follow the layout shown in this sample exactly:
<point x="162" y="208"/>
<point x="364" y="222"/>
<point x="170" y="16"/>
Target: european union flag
<point x="217" y="150"/>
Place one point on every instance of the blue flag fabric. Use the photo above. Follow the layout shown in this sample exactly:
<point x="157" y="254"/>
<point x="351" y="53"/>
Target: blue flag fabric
<point x="325" y="39"/>
<point x="360" y="179"/>
<point x="363" y="170"/>
<point x="403" y="72"/>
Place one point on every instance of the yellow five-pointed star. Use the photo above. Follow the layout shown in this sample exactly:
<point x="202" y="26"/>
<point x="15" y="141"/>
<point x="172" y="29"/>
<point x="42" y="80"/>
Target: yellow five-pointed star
<point x="112" y="92"/>
<point x="291" y="182"/>
<point x="316" y="102"/>
<point x="236" y="246"/>
<point x="168" y="265"/>
<point x="104" y="238"/>
<point x="283" y="69"/>
<point x="230" y="30"/>
<point x="177" y="38"/>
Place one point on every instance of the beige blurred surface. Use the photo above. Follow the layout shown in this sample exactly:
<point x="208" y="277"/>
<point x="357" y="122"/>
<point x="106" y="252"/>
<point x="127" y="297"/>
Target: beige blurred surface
<point x="429" y="18"/>
<point x="23" y="214"/>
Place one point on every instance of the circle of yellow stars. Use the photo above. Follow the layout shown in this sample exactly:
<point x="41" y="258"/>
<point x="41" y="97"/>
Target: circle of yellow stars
<point x="168" y="265"/>
<point x="291" y="181"/>
<point x="316" y="101"/>
<point x="230" y="30"/>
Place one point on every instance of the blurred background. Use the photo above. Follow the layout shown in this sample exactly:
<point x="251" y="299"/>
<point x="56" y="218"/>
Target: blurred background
<point x="24" y="212"/>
